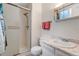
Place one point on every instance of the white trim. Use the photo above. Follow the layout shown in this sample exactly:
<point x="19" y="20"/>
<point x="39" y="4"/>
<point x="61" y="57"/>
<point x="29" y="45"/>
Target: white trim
<point x="19" y="6"/>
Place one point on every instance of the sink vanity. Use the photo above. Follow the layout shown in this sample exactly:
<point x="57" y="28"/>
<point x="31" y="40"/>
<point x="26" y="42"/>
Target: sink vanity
<point x="63" y="43"/>
<point x="59" y="47"/>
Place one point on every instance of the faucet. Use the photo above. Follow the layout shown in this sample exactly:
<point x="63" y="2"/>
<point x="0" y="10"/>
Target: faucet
<point x="64" y="39"/>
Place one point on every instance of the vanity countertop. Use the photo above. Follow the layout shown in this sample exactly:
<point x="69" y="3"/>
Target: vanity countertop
<point x="73" y="51"/>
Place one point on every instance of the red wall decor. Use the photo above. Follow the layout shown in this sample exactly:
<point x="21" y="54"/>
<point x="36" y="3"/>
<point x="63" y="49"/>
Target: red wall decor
<point x="46" y="25"/>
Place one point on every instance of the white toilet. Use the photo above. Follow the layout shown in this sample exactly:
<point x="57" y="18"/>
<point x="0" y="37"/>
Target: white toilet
<point x="37" y="50"/>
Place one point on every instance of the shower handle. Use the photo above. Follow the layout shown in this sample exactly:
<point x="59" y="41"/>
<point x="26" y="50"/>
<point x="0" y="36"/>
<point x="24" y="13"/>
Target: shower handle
<point x="27" y="26"/>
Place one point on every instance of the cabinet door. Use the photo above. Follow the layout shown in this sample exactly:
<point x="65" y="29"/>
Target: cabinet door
<point x="60" y="53"/>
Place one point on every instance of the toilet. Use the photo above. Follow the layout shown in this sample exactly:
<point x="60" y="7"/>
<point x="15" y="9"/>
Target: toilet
<point x="37" y="50"/>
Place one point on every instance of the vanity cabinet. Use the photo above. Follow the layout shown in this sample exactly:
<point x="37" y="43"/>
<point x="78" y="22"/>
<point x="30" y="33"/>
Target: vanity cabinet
<point x="47" y="50"/>
<point x="60" y="53"/>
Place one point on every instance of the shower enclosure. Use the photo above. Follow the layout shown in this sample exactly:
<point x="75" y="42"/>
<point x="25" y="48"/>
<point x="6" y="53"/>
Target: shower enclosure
<point x="17" y="33"/>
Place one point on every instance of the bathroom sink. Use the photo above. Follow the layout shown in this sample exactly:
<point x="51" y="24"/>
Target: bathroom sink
<point x="65" y="43"/>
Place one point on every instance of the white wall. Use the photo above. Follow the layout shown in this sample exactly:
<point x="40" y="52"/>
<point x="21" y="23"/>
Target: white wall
<point x="65" y="29"/>
<point x="47" y="14"/>
<point x="36" y="22"/>
<point x="69" y="28"/>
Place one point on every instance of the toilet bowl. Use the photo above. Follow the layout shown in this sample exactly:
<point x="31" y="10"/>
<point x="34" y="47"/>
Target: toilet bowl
<point x="36" y="51"/>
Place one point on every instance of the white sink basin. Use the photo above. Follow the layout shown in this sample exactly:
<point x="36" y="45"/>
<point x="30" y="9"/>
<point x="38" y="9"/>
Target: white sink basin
<point x="64" y="44"/>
